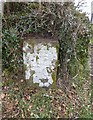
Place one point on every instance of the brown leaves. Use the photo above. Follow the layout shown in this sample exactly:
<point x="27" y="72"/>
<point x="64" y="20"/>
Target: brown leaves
<point x="29" y="102"/>
<point x="16" y="88"/>
<point x="69" y="96"/>
<point x="16" y="102"/>
<point x="2" y="95"/>
<point x="30" y="107"/>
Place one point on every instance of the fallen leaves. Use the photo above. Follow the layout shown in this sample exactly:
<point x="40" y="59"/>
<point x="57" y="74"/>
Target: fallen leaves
<point x="69" y="96"/>
<point x="59" y="108"/>
<point x="30" y="102"/>
<point x="16" y="102"/>
<point x="2" y="95"/>
<point x="30" y="106"/>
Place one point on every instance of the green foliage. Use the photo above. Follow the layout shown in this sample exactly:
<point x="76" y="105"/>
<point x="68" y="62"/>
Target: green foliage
<point x="55" y="20"/>
<point x="11" y="54"/>
<point x="54" y="78"/>
<point x="91" y="41"/>
<point x="37" y="58"/>
<point x="63" y="21"/>
<point x="74" y="37"/>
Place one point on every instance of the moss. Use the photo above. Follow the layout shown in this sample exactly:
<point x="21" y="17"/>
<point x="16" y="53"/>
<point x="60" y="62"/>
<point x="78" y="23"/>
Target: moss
<point x="32" y="43"/>
<point x="54" y="79"/>
<point x="25" y="66"/>
<point x="57" y="63"/>
<point x="38" y="49"/>
<point x="31" y="84"/>
<point x="30" y="81"/>
<point x="37" y="58"/>
<point x="91" y="41"/>
<point x="41" y="92"/>
<point x="47" y="47"/>
<point x="57" y="48"/>
<point x="33" y="72"/>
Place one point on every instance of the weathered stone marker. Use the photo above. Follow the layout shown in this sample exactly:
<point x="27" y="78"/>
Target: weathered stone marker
<point x="40" y="57"/>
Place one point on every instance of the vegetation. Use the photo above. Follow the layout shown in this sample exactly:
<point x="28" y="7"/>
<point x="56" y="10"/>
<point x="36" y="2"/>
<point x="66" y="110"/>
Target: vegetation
<point x="71" y="97"/>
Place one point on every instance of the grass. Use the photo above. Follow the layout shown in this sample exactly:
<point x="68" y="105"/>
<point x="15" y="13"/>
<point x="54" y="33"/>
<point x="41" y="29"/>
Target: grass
<point x="20" y="100"/>
<point x="91" y="41"/>
<point x="35" y="103"/>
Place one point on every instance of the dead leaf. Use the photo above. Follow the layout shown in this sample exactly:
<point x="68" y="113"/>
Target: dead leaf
<point x="41" y="109"/>
<point x="69" y="96"/>
<point x="16" y="102"/>
<point x="2" y="96"/>
<point x="30" y="106"/>
<point x="63" y="105"/>
<point x="16" y="88"/>
<point x="59" y="108"/>
<point x="28" y="97"/>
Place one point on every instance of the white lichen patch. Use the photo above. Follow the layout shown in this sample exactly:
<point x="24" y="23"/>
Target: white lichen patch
<point x="42" y="60"/>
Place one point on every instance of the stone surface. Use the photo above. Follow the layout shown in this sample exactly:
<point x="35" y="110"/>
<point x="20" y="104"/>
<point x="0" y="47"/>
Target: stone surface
<point x="40" y="61"/>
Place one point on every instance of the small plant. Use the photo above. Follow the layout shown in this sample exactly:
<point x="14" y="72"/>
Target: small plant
<point x="37" y="58"/>
<point x="11" y="50"/>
